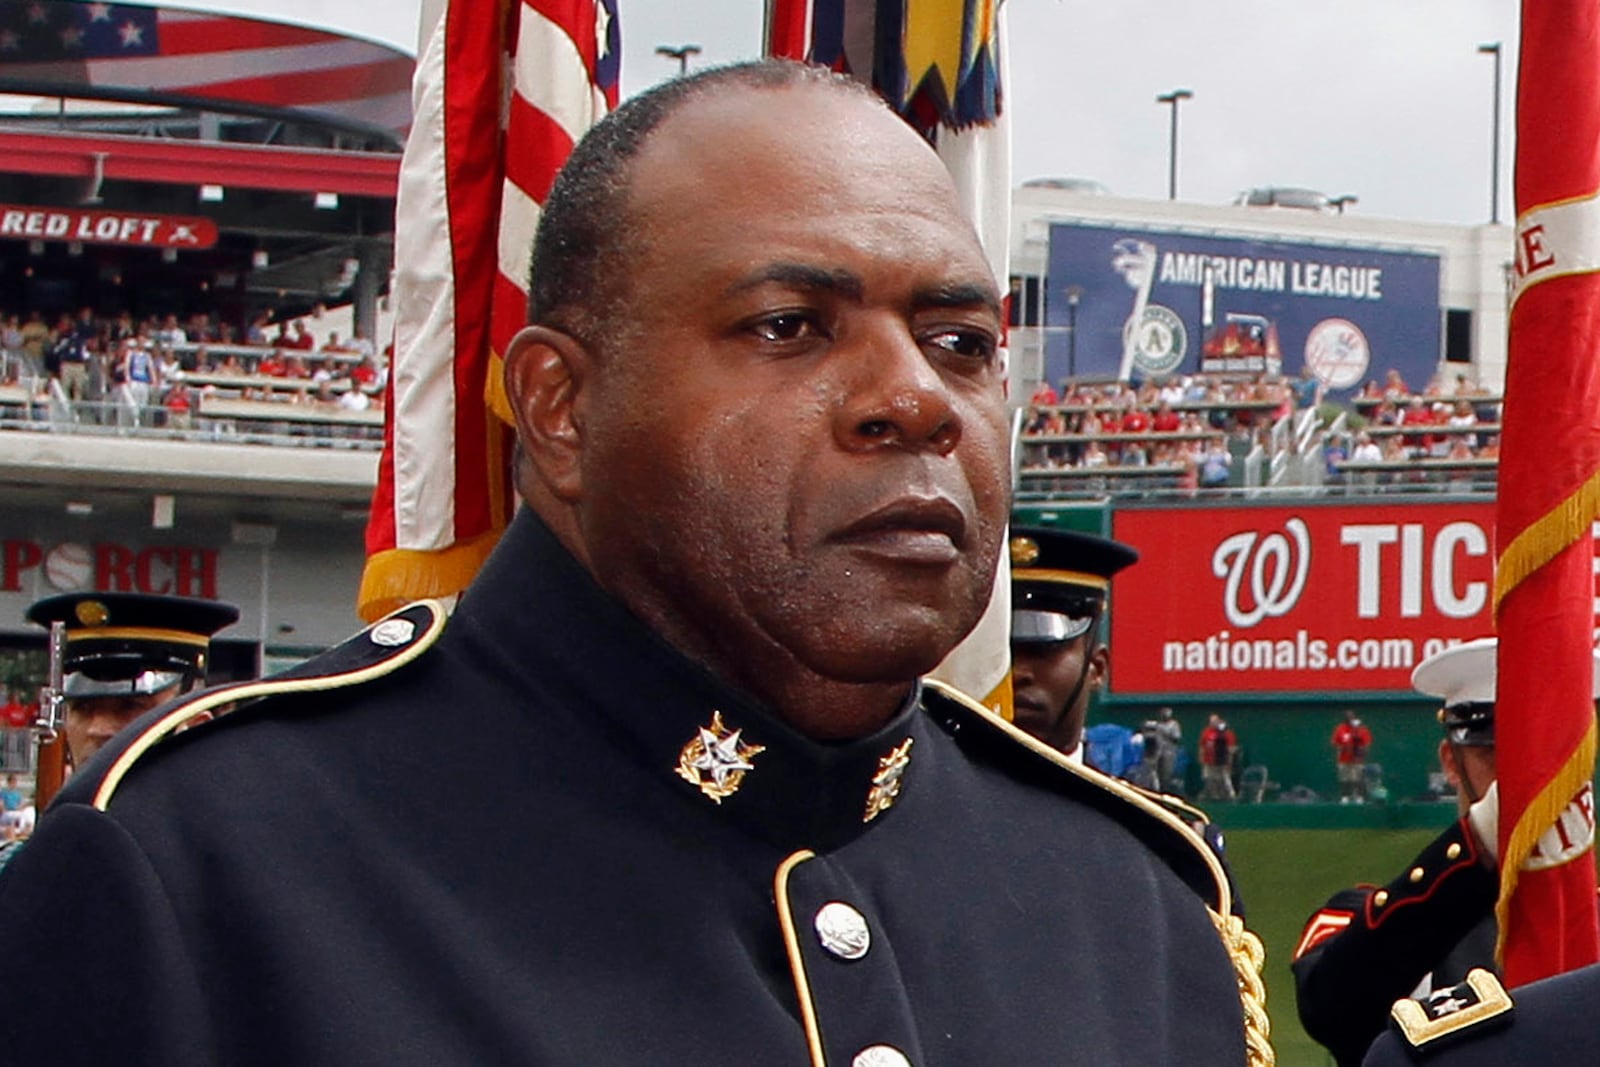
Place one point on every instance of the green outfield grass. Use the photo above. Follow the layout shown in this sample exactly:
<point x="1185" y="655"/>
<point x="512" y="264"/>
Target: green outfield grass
<point x="1284" y="875"/>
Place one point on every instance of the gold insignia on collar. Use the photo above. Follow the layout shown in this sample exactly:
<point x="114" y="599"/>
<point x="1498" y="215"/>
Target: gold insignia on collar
<point x="716" y="760"/>
<point x="92" y="612"/>
<point x="1024" y="550"/>
<point x="886" y="782"/>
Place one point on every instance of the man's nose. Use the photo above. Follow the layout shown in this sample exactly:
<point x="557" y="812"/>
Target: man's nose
<point x="895" y="398"/>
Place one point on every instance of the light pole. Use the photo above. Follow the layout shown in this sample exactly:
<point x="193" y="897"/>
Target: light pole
<point x="1494" y="149"/>
<point x="680" y="53"/>
<point x="1172" y="148"/>
<point x="1074" y="294"/>
<point x="1343" y="201"/>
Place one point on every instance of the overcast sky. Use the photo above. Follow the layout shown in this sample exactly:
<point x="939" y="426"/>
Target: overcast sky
<point x="1388" y="100"/>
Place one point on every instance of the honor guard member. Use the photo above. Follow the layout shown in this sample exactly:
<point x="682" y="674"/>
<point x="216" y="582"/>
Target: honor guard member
<point x="1060" y="587"/>
<point x="125" y="653"/>
<point x="687" y="799"/>
<point x="1060" y="582"/>
<point x="1433" y="924"/>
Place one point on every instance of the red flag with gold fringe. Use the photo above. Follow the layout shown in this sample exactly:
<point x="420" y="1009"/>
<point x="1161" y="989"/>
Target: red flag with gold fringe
<point x="1548" y="501"/>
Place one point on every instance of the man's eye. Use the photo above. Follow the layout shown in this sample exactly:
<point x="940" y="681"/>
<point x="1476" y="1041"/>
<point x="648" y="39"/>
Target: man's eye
<point x="972" y="344"/>
<point x="787" y="326"/>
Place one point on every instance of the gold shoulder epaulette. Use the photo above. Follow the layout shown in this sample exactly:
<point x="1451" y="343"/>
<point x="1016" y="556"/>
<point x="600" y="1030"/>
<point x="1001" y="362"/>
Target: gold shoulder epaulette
<point x="1478" y="1004"/>
<point x="380" y="649"/>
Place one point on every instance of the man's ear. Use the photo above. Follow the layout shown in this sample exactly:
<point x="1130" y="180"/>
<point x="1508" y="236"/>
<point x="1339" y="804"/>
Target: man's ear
<point x="1099" y="666"/>
<point x="545" y="373"/>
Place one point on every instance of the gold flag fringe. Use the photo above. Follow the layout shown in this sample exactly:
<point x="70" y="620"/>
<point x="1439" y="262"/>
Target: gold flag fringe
<point x="398" y="576"/>
<point x="1545" y="538"/>
<point x="1540" y="814"/>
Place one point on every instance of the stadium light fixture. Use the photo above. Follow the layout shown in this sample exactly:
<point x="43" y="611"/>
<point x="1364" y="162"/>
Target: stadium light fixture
<point x="1173" y="98"/>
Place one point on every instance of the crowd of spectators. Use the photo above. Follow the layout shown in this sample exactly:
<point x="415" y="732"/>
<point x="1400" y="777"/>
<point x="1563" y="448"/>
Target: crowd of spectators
<point x="1448" y="433"/>
<point x="1189" y="432"/>
<point x="155" y="372"/>
<point x="1179" y="428"/>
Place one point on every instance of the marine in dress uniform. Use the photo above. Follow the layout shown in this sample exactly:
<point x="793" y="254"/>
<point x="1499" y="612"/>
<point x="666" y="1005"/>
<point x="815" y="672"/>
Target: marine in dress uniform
<point x="623" y="854"/>
<point x="1433" y="924"/>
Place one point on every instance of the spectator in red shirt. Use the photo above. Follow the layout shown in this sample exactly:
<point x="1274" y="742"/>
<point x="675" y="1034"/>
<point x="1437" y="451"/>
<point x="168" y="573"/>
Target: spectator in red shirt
<point x="1137" y="420"/>
<point x="1351" y="742"/>
<point x="1417" y="413"/>
<point x="271" y="365"/>
<point x="1044" y="396"/>
<point x="1166" y="420"/>
<point x="301" y="338"/>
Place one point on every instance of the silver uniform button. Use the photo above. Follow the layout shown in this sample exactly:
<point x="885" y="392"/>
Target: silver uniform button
<point x="393" y="633"/>
<point x="842" y="930"/>
<point x="880" y="1056"/>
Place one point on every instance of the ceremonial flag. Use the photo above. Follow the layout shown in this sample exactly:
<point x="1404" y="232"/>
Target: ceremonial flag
<point x="503" y="91"/>
<point x="939" y="64"/>
<point x="1548" y="501"/>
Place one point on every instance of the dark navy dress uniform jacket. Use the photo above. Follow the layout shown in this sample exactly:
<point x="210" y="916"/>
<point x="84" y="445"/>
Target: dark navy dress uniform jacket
<point x="488" y="856"/>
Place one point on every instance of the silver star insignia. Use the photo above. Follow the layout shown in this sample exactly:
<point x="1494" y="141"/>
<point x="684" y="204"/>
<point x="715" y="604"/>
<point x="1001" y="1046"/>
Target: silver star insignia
<point x="716" y="759"/>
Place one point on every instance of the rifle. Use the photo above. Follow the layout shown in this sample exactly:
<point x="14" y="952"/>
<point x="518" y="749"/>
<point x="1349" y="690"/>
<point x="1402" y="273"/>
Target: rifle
<point x="50" y="769"/>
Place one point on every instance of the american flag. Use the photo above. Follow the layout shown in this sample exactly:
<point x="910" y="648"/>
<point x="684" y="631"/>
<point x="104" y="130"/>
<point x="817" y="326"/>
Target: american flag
<point x="164" y="55"/>
<point x="502" y="95"/>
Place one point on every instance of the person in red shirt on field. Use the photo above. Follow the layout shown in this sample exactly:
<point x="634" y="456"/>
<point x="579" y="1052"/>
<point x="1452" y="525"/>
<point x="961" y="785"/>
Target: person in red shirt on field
<point x="1351" y="742"/>
<point x="1219" y="747"/>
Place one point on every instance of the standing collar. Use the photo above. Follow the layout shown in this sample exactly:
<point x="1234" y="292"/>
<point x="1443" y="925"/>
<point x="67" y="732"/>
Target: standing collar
<point x="545" y="615"/>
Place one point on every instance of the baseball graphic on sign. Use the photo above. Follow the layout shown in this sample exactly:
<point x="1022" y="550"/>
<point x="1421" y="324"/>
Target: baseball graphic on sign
<point x="69" y="566"/>
<point x="1337" y="352"/>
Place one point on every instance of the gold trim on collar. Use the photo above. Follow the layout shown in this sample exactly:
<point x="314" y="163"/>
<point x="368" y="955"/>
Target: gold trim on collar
<point x="232" y="694"/>
<point x="1061" y="577"/>
<point x="797" y="962"/>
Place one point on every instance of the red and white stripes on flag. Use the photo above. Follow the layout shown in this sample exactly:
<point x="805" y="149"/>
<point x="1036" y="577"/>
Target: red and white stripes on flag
<point x="1548" y="500"/>
<point x="503" y="91"/>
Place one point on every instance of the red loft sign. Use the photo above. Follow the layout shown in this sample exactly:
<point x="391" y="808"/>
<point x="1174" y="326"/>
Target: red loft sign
<point x="24" y="223"/>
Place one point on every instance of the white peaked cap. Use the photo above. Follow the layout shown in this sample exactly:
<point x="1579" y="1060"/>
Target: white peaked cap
<point x="1464" y="673"/>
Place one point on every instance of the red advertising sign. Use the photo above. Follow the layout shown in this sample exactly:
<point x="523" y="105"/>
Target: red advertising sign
<point x="27" y="223"/>
<point x="1296" y="599"/>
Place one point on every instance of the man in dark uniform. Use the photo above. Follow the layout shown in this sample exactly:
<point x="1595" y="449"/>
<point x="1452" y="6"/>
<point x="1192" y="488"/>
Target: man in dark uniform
<point x="687" y="800"/>
<point x="125" y="653"/>
<point x="1060" y="581"/>
<point x="1429" y="927"/>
